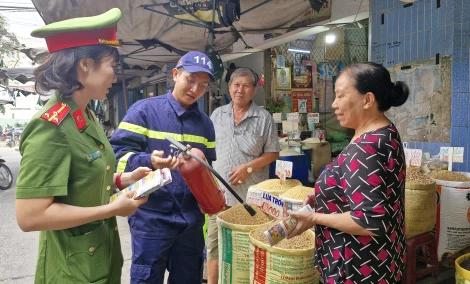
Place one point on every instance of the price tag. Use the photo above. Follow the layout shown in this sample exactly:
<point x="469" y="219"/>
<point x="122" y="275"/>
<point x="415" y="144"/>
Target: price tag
<point x="289" y="126"/>
<point x="407" y="156"/>
<point x="458" y="154"/>
<point x="293" y="116"/>
<point x="313" y="117"/>
<point x="283" y="169"/>
<point x="277" y="117"/>
<point x="268" y="203"/>
<point x="444" y="154"/>
<point x="416" y="157"/>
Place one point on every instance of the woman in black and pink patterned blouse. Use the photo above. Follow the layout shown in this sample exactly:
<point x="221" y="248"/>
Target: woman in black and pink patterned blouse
<point x="359" y="198"/>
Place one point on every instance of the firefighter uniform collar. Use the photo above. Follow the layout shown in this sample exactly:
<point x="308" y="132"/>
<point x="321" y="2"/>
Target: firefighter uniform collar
<point x="179" y="109"/>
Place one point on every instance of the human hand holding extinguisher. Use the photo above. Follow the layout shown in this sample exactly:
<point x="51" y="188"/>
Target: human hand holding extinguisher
<point x="202" y="182"/>
<point x="158" y="162"/>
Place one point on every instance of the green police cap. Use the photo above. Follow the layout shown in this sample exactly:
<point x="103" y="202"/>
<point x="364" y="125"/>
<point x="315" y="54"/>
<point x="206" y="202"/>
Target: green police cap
<point x="83" y="31"/>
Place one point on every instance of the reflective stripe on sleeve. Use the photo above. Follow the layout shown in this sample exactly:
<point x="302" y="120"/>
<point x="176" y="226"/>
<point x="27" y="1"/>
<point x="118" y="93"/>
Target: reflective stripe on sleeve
<point x="121" y="167"/>
<point x="161" y="135"/>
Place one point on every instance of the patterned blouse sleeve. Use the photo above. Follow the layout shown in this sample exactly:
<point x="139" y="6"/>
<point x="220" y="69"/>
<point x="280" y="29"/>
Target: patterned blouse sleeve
<point x="364" y="176"/>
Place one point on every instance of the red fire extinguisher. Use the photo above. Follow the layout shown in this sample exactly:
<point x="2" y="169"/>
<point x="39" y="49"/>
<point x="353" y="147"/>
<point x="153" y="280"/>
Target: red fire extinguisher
<point x="196" y="172"/>
<point x="202" y="183"/>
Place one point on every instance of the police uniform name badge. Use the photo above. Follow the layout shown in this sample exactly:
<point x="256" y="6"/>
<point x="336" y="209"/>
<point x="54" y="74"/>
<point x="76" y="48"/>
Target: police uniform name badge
<point x="152" y="182"/>
<point x="90" y="157"/>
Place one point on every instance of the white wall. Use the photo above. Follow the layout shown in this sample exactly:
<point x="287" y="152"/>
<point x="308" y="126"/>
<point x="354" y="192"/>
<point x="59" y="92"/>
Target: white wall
<point x="24" y="110"/>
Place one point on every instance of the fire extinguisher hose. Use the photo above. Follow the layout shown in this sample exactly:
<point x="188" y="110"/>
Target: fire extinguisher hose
<point x="185" y="151"/>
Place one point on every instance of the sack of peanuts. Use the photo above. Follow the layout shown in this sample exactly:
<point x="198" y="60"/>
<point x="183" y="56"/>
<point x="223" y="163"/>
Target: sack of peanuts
<point x="294" y="198"/>
<point x="289" y="261"/>
<point x="276" y="186"/>
<point x="420" y="203"/>
<point x="234" y="227"/>
<point x="453" y="212"/>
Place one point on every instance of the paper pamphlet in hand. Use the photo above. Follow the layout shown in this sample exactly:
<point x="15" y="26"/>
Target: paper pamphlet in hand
<point x="152" y="182"/>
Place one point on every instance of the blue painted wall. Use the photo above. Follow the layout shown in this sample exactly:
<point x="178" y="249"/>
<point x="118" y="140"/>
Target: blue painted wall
<point x="420" y="32"/>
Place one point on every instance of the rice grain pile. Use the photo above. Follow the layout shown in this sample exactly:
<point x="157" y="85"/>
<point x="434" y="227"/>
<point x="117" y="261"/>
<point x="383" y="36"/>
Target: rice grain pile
<point x="298" y="192"/>
<point x="303" y="241"/>
<point x="450" y="176"/>
<point x="238" y="215"/>
<point x="277" y="184"/>
<point x="414" y="175"/>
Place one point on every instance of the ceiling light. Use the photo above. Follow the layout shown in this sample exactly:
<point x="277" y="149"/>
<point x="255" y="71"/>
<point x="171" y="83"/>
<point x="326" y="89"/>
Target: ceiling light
<point x="330" y="38"/>
<point x="298" y="50"/>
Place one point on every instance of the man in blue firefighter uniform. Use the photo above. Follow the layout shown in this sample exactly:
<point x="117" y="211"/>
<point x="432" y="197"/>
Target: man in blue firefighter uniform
<point x="167" y="230"/>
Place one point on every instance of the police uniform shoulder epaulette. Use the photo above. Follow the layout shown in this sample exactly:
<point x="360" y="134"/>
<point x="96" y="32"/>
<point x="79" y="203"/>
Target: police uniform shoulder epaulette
<point x="56" y="113"/>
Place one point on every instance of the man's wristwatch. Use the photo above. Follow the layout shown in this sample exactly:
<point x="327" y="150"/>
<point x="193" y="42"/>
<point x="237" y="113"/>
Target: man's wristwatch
<point x="249" y="169"/>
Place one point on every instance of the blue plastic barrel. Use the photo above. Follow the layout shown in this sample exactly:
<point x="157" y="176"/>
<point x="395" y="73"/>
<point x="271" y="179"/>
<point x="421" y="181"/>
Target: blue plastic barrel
<point x="299" y="167"/>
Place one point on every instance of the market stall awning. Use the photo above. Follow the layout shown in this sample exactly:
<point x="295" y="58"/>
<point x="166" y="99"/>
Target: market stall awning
<point x="7" y="101"/>
<point x="155" y="32"/>
<point x="21" y="75"/>
<point x="26" y="89"/>
<point x="35" y="54"/>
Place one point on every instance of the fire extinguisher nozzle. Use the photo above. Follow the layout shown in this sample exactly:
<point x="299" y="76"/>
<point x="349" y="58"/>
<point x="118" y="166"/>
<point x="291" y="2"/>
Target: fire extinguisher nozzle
<point x="250" y="209"/>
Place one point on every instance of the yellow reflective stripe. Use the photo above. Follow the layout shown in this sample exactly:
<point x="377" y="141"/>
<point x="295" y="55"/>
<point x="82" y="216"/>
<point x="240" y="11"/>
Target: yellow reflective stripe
<point x="134" y="128"/>
<point x="161" y="135"/>
<point x="210" y="145"/>
<point x="123" y="162"/>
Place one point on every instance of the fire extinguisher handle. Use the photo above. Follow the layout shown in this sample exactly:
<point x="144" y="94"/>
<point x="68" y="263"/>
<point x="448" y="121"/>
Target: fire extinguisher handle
<point x="250" y="209"/>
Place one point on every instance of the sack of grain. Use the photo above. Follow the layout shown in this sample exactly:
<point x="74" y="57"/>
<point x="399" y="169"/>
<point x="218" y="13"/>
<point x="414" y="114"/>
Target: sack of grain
<point x="289" y="261"/>
<point x="453" y="212"/>
<point x="234" y="226"/>
<point x="294" y="198"/>
<point x="420" y="203"/>
<point x="462" y="269"/>
<point x="276" y="186"/>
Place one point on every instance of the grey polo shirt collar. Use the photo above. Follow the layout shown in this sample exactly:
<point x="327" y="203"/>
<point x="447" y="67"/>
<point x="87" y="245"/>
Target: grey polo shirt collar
<point x="252" y="112"/>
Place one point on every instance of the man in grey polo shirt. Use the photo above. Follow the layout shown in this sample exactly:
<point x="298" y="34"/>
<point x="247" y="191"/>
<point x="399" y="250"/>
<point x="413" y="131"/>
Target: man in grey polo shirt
<point x="246" y="143"/>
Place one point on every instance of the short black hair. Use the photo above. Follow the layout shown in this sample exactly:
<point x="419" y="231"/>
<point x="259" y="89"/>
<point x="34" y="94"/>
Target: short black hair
<point x="374" y="78"/>
<point x="59" y="69"/>
<point x="107" y="123"/>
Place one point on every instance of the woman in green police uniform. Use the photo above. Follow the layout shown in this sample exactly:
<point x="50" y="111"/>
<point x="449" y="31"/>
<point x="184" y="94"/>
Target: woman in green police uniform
<point x="67" y="167"/>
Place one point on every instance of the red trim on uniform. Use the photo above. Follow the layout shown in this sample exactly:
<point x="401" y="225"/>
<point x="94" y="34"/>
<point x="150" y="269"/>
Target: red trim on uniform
<point x="79" y="119"/>
<point x="56" y="113"/>
<point x="79" y="38"/>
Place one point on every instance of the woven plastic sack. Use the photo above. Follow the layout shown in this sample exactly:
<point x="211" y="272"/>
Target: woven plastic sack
<point x="274" y="265"/>
<point x="291" y="204"/>
<point x="453" y="217"/>
<point x="420" y="208"/>
<point x="234" y="246"/>
<point x="462" y="276"/>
